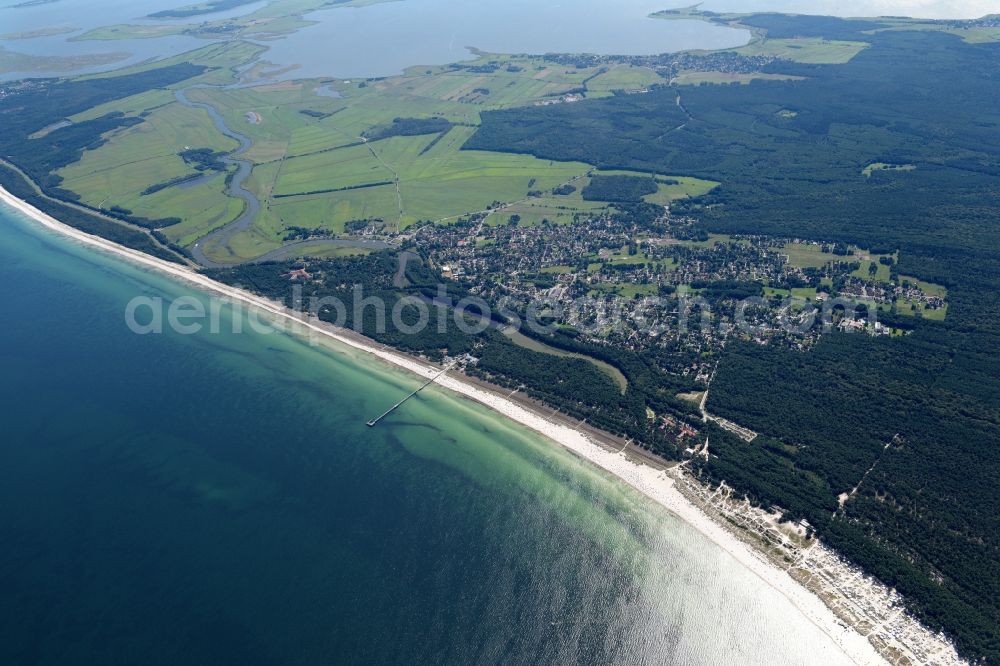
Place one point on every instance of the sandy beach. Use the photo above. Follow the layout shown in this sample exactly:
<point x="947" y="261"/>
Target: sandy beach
<point x="655" y="483"/>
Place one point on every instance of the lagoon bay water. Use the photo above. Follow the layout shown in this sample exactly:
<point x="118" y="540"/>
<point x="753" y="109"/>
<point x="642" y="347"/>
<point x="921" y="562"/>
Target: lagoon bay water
<point x="79" y="16"/>
<point x="217" y="498"/>
<point x="383" y="38"/>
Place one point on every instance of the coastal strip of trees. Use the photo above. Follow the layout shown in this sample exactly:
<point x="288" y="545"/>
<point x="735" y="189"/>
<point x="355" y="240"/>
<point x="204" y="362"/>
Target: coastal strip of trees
<point x="15" y="183"/>
<point x="38" y="141"/>
<point x="925" y="519"/>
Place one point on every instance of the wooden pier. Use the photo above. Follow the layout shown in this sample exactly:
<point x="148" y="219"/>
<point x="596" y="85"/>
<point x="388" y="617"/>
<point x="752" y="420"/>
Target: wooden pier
<point x="374" y="422"/>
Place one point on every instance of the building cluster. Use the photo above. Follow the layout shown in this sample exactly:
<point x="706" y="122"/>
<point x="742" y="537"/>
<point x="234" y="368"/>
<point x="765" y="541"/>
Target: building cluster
<point x="891" y="293"/>
<point x="11" y="88"/>
<point x="858" y="599"/>
<point x="721" y="61"/>
<point x="641" y="287"/>
<point x="669" y="65"/>
<point x="991" y="21"/>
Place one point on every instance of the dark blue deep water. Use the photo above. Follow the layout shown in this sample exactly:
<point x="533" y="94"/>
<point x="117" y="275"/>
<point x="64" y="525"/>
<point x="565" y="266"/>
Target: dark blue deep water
<point x="217" y="499"/>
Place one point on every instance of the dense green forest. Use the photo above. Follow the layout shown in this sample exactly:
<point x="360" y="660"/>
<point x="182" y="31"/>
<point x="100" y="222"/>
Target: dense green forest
<point x="410" y="127"/>
<point x="925" y="520"/>
<point x="15" y="183"/>
<point x="921" y="412"/>
<point x="47" y="104"/>
<point x="618" y="188"/>
<point x="572" y="385"/>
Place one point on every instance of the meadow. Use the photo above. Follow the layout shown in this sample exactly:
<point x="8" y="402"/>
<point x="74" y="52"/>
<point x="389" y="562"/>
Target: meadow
<point x="119" y="173"/>
<point x="810" y="50"/>
<point x="790" y="156"/>
<point x="802" y="176"/>
<point x="315" y="168"/>
<point x="322" y="155"/>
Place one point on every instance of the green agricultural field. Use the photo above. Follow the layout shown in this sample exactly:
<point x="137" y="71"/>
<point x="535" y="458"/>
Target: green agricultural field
<point x="164" y="133"/>
<point x="908" y="308"/>
<point x="332" y="170"/>
<point x="812" y="50"/>
<point x="557" y="210"/>
<point x="512" y="83"/>
<point x="686" y="188"/>
<point x="805" y="255"/>
<point x="668" y="192"/>
<point x="316" y="138"/>
<point x="799" y="295"/>
<point x="12" y="61"/>
<point x="320" y="250"/>
<point x="687" y="290"/>
<point x="621" y="257"/>
<point x="439" y="183"/>
<point x="558" y="270"/>
<point x="623" y="77"/>
<point x="117" y="173"/>
<point x="314" y="169"/>
<point x="206" y="209"/>
<point x="50" y="31"/>
<point x="127" y="31"/>
<point x="130" y="106"/>
<point x="221" y="58"/>
<point x="271" y="20"/>
<point x="247" y="245"/>
<point x="978" y="35"/>
<point x="328" y="212"/>
<point x="974" y="35"/>
<point x="283" y="128"/>
<point x="199" y="8"/>
<point x="882" y="272"/>
<point x="636" y="290"/>
<point x="469" y="181"/>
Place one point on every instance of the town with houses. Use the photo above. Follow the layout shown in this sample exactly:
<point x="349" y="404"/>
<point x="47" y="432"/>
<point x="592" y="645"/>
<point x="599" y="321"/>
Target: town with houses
<point x="628" y="281"/>
<point x="877" y="611"/>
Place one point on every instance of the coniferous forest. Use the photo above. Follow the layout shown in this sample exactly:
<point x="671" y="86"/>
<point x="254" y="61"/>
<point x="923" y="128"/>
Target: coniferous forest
<point x="916" y="416"/>
<point x="790" y="155"/>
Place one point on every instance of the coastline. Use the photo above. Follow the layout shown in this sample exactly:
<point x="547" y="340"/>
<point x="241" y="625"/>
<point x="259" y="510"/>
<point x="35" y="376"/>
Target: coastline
<point x="663" y="486"/>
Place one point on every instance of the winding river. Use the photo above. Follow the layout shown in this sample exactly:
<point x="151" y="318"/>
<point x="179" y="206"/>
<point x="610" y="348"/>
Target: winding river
<point x="236" y="187"/>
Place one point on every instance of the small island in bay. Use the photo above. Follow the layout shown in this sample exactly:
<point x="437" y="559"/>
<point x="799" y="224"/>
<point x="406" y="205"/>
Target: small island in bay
<point x="50" y="31"/>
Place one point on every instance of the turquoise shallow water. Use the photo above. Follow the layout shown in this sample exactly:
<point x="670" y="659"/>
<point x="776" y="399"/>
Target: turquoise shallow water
<point x="216" y="499"/>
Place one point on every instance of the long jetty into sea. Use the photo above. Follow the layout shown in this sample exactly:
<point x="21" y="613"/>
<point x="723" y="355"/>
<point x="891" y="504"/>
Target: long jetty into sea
<point x="374" y="422"/>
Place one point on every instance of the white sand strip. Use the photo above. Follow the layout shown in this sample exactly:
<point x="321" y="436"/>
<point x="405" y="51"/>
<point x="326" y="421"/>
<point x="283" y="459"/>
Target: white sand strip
<point x="652" y="483"/>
